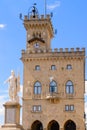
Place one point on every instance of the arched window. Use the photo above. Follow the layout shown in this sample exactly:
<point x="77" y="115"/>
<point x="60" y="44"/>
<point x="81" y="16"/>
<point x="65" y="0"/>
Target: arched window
<point x="69" y="67"/>
<point x="53" y="86"/>
<point x="69" y="87"/>
<point x="53" y="67"/>
<point x="37" y="67"/>
<point x="37" y="88"/>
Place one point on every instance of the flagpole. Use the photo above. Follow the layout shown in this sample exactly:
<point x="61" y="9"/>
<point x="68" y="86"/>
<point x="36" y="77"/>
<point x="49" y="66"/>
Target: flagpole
<point x="45" y="8"/>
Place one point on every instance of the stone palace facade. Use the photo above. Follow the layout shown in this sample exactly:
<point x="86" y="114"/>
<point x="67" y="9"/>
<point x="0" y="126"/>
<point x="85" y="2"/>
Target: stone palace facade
<point x="54" y="80"/>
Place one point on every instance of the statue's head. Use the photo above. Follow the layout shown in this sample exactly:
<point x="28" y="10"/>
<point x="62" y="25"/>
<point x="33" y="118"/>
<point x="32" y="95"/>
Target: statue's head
<point x="12" y="72"/>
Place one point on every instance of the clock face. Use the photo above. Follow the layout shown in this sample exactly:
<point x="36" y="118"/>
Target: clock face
<point x="36" y="45"/>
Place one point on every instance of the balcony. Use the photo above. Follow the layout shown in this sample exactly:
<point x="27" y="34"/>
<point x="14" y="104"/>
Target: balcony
<point x="53" y="95"/>
<point x="70" y="95"/>
<point x="37" y="96"/>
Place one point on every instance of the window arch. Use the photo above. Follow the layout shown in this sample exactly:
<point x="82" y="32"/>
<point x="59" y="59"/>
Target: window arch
<point x="37" y="88"/>
<point x="53" y="86"/>
<point x="69" y="87"/>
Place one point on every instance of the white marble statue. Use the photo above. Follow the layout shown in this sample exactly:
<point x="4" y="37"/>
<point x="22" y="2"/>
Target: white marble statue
<point x="14" y="86"/>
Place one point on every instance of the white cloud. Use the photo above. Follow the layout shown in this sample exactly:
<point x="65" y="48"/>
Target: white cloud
<point x="2" y="100"/>
<point x="2" y="26"/>
<point x="21" y="89"/>
<point x="86" y="110"/>
<point x="86" y="86"/>
<point x="86" y="107"/>
<point x="53" y="6"/>
<point x="86" y="99"/>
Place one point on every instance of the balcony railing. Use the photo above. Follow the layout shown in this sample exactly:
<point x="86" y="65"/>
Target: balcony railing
<point x="70" y="95"/>
<point x="53" y="95"/>
<point x="37" y="96"/>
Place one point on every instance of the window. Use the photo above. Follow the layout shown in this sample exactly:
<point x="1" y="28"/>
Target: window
<point x="53" y="67"/>
<point x="53" y="86"/>
<point x="69" y="107"/>
<point x="37" y="67"/>
<point x="69" y="67"/>
<point x="72" y="107"/>
<point x="66" y="107"/>
<point x="37" y="88"/>
<point x="36" y="108"/>
<point x="69" y="87"/>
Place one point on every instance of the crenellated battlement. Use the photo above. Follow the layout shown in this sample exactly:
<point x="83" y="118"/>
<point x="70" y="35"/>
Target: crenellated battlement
<point x="37" y="17"/>
<point x="56" y="50"/>
<point x="54" y="54"/>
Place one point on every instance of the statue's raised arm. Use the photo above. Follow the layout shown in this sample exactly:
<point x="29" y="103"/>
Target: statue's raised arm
<point x="14" y="86"/>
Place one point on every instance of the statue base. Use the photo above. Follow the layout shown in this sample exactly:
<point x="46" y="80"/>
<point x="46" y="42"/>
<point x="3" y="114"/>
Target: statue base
<point x="12" y="116"/>
<point x="11" y="127"/>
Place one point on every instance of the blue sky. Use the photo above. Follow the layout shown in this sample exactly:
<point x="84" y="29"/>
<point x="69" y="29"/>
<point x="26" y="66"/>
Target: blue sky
<point x="69" y="18"/>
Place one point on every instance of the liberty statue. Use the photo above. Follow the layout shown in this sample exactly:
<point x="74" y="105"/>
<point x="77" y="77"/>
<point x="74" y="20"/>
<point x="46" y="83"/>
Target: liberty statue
<point x="14" y="86"/>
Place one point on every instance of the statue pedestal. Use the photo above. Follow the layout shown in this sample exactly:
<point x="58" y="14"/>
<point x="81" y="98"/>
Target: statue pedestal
<point x="12" y="116"/>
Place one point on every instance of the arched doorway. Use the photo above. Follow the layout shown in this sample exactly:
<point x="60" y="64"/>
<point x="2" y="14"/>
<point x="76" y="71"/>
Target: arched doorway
<point x="70" y="125"/>
<point x="37" y="125"/>
<point x="53" y="125"/>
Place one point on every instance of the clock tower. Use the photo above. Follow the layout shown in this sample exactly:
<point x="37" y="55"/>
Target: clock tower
<point x="39" y="30"/>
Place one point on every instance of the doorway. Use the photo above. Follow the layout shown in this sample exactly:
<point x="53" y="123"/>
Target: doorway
<point x="70" y="125"/>
<point x="37" y="125"/>
<point x="53" y="125"/>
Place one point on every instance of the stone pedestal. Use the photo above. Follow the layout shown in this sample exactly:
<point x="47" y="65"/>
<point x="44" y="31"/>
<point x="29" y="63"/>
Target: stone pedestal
<point x="12" y="116"/>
